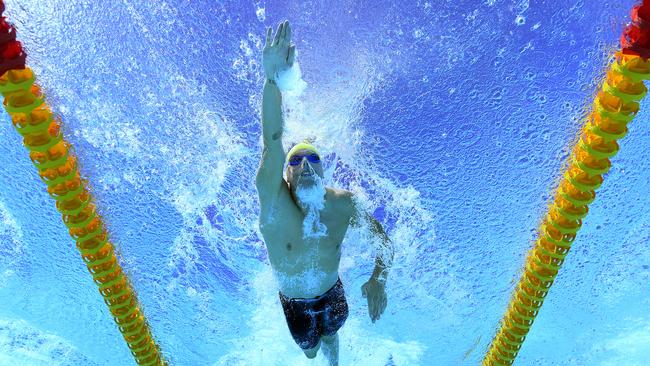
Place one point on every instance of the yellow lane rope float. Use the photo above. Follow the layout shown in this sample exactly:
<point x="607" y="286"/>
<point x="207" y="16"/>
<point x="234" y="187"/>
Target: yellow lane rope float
<point x="57" y="167"/>
<point x="616" y="104"/>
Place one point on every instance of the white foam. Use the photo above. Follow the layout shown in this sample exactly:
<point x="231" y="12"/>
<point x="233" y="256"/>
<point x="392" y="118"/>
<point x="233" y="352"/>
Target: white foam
<point x="290" y="81"/>
<point x="312" y="197"/>
<point x="21" y="343"/>
<point x="326" y="113"/>
<point x="270" y="342"/>
<point x="629" y="346"/>
<point x="309" y="281"/>
<point x="12" y="246"/>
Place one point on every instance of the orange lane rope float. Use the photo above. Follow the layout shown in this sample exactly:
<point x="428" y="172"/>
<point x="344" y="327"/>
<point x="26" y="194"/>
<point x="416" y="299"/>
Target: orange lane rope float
<point x="57" y="167"/>
<point x="616" y="104"/>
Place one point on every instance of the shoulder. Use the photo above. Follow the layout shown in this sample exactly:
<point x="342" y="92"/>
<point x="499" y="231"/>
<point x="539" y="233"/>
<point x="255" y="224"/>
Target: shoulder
<point x="343" y="201"/>
<point x="340" y="196"/>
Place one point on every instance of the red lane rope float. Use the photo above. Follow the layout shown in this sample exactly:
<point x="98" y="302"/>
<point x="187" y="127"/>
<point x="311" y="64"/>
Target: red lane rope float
<point x="616" y="104"/>
<point x="57" y="166"/>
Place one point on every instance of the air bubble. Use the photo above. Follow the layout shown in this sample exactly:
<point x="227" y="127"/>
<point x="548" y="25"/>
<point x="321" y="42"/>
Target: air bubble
<point x="261" y="13"/>
<point x="520" y="20"/>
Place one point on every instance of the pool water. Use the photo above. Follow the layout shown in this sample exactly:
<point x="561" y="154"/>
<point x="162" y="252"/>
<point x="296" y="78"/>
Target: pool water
<point x="450" y="120"/>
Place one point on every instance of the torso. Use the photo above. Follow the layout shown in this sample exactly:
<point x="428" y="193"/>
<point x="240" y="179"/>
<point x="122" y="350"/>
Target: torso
<point x="304" y="268"/>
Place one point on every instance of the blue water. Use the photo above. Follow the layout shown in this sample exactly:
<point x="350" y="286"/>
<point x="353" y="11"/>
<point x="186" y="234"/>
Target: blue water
<point x="452" y="119"/>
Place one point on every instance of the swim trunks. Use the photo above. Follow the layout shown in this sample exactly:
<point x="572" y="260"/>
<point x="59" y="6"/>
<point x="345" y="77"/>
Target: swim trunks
<point x="309" y="319"/>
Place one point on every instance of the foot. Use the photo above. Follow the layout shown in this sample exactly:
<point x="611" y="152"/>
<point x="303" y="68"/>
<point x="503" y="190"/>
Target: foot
<point x="312" y="352"/>
<point x="331" y="349"/>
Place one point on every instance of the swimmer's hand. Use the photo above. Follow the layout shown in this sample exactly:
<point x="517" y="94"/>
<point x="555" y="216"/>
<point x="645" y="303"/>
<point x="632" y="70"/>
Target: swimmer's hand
<point x="375" y="292"/>
<point x="279" y="53"/>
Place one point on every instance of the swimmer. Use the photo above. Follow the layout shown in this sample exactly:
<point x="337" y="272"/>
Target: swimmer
<point x="303" y="223"/>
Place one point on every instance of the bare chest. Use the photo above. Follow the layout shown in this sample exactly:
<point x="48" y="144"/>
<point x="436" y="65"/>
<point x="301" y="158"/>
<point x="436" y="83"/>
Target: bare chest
<point x="305" y="265"/>
<point x="292" y="248"/>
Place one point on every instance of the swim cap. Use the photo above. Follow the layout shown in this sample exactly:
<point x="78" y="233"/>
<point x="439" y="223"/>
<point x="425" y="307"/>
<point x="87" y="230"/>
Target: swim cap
<point x="301" y="146"/>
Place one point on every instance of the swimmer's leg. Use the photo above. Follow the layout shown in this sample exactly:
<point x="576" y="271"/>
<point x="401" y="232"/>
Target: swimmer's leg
<point x="312" y="352"/>
<point x="331" y="348"/>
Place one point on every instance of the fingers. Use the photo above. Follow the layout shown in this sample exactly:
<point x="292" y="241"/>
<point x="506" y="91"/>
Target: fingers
<point x="278" y="32"/>
<point x="269" y="34"/>
<point x="283" y="32"/>
<point x="291" y="56"/>
<point x="377" y="301"/>
<point x="372" y="308"/>
<point x="282" y="38"/>
<point x="285" y="35"/>
<point x="376" y="311"/>
<point x="287" y="32"/>
<point x="376" y="307"/>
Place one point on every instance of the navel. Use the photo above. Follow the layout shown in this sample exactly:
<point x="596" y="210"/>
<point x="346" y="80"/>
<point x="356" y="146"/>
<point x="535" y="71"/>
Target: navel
<point x="288" y="246"/>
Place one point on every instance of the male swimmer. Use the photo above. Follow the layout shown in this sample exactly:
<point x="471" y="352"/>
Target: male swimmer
<point x="303" y="223"/>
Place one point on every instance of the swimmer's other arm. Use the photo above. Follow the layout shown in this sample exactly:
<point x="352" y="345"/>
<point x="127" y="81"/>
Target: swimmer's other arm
<point x="375" y="289"/>
<point x="385" y="252"/>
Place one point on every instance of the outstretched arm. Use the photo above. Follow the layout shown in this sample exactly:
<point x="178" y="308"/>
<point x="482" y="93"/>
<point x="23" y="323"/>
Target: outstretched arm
<point x="278" y="55"/>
